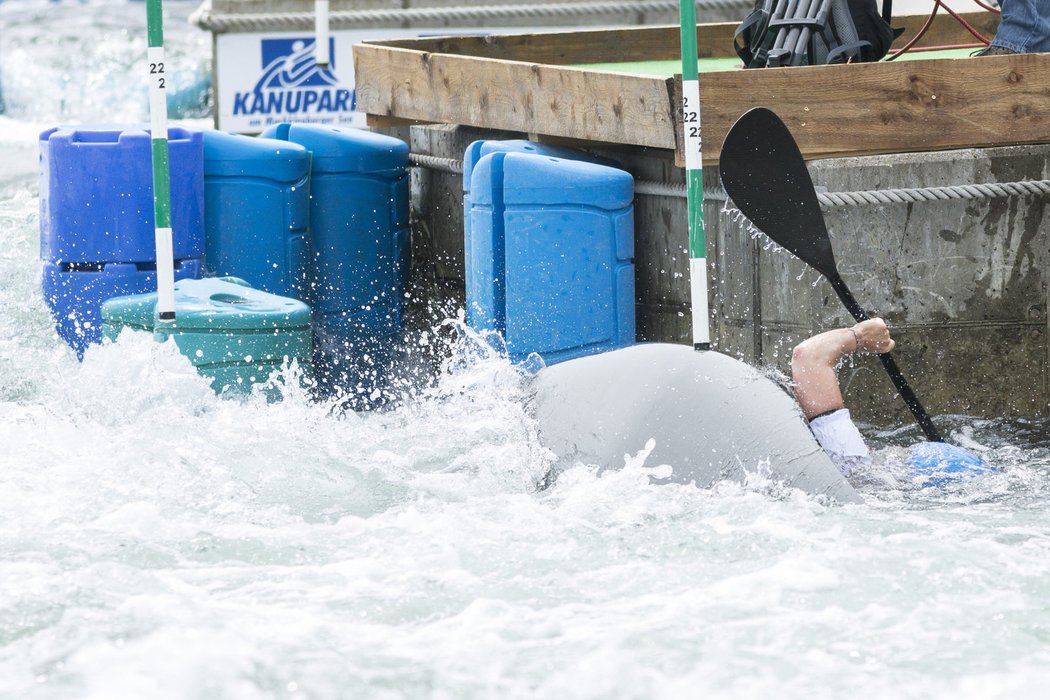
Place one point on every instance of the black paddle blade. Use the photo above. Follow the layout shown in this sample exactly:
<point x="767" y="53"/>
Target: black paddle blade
<point x="764" y="174"/>
<point x="763" y="171"/>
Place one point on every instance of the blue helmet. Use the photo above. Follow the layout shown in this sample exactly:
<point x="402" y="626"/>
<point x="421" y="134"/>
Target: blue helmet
<point x="941" y="464"/>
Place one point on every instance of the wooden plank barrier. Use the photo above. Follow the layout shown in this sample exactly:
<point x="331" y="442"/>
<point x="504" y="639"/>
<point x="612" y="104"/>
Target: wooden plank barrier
<point x="527" y="83"/>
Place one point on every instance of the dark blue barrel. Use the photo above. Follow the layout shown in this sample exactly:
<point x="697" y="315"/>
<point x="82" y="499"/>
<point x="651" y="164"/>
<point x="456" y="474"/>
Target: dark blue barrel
<point x="359" y="226"/>
<point x="75" y="293"/>
<point x="256" y="213"/>
<point x="97" y="222"/>
<point x="552" y="243"/>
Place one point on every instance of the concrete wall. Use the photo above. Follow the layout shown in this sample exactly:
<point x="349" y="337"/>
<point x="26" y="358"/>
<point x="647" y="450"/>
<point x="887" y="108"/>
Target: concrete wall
<point x="963" y="283"/>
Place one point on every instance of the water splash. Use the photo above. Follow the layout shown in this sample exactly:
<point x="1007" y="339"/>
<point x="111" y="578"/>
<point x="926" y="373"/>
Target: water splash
<point x="162" y="542"/>
<point x="738" y="217"/>
<point x="101" y="80"/>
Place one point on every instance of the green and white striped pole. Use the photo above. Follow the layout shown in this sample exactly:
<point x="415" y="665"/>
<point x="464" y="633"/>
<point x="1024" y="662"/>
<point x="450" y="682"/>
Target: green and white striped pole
<point x="694" y="176"/>
<point x="158" y="111"/>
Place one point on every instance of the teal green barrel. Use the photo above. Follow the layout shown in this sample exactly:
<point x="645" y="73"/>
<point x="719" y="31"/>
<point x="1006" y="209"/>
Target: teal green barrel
<point x="233" y="334"/>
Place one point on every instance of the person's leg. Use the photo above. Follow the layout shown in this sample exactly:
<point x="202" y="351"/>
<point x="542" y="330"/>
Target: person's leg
<point x="1024" y="27"/>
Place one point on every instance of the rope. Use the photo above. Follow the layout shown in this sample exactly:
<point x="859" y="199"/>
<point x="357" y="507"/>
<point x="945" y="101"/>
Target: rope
<point x="666" y="189"/>
<point x="445" y="165"/>
<point x="343" y="19"/>
<point x="990" y="190"/>
<point x="828" y="200"/>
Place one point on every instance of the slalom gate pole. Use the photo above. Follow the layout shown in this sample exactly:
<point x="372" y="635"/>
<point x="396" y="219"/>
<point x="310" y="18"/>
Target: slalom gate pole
<point x="158" y="111"/>
<point x="694" y="176"/>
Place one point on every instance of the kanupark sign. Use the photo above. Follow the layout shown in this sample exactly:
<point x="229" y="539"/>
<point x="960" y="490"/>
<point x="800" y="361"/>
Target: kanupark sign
<point x="265" y="79"/>
<point x="268" y="78"/>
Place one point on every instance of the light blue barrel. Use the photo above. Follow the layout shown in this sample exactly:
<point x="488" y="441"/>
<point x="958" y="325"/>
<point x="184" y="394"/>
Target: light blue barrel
<point x="551" y="245"/>
<point x="256" y="213"/>
<point x="97" y="219"/>
<point x="479" y="269"/>
<point x="359" y="226"/>
<point x="481" y="148"/>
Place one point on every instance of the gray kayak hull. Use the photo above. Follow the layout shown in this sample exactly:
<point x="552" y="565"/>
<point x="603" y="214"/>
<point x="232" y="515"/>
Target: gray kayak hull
<point x="711" y="418"/>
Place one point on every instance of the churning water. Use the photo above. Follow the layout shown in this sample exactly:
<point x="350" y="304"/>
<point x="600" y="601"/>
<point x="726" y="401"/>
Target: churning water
<point x="158" y="542"/>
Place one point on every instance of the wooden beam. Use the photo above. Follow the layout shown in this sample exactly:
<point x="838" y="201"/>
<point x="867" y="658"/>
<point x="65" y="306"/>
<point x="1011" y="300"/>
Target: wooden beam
<point x="832" y="110"/>
<point x="377" y="121"/>
<point x="555" y="48"/>
<point x="515" y="96"/>
<point x="654" y="43"/>
<point x="873" y="108"/>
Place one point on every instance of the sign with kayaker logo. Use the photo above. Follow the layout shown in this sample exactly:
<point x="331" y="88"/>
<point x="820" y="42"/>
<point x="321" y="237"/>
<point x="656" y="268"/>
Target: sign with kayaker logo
<point x="289" y="63"/>
<point x="266" y="79"/>
<point x="269" y="79"/>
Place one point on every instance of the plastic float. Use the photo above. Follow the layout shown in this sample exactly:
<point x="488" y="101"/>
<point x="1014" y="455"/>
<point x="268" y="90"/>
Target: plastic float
<point x="359" y="226"/>
<point x="481" y="148"/>
<point x="475" y="152"/>
<point x="710" y="418"/>
<point x="550" y="246"/>
<point x="244" y="205"/>
<point x="257" y="213"/>
<point x="96" y="219"/>
<point x="233" y="334"/>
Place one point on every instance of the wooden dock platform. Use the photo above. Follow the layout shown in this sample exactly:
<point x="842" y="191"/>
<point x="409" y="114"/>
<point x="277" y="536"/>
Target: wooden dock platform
<point x="591" y="86"/>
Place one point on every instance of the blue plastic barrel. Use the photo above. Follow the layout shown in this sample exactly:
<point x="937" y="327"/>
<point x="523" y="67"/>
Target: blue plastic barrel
<point x="479" y="149"/>
<point x="233" y="334"/>
<point x="96" y="194"/>
<point x="551" y="245"/>
<point x="478" y="270"/>
<point x="97" y="222"/>
<point x="359" y="226"/>
<point x="75" y="292"/>
<point x="256" y="213"/>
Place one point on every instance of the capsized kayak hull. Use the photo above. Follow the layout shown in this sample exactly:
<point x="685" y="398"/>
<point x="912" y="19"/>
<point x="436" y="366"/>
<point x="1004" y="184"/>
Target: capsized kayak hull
<point x="711" y="417"/>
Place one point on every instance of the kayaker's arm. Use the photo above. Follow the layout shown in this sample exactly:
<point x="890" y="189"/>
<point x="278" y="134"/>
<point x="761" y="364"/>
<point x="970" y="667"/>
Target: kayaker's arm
<point x="814" y="359"/>
<point x="817" y="388"/>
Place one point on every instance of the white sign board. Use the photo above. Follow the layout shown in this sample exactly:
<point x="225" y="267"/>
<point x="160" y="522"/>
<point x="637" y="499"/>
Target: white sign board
<point x="265" y="79"/>
<point x="269" y="78"/>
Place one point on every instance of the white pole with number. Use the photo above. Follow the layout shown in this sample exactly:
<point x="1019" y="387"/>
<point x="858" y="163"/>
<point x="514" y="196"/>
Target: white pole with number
<point x="694" y="175"/>
<point x="321" y="33"/>
<point x="158" y="112"/>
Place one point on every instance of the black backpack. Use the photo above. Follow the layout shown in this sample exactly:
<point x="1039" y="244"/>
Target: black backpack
<point x="814" y="32"/>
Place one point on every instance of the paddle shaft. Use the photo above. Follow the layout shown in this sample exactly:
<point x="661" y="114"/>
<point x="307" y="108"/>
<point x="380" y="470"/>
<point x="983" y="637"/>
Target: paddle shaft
<point x="889" y="364"/>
